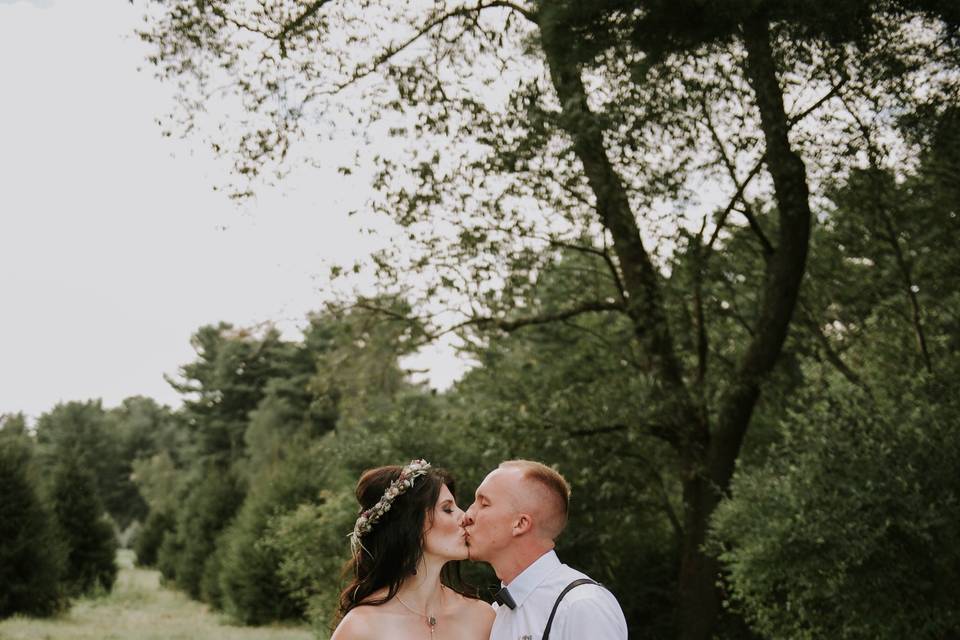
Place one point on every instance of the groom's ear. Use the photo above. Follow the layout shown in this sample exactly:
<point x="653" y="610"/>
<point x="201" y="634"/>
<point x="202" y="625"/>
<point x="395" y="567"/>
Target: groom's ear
<point x="522" y="525"/>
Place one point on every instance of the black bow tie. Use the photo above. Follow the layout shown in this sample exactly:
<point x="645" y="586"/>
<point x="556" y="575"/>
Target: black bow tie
<point x="503" y="597"/>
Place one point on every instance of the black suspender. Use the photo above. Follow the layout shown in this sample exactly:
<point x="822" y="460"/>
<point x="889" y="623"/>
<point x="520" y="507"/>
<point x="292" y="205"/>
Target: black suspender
<point x="575" y="583"/>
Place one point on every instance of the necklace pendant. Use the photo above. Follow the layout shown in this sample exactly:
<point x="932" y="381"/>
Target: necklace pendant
<point x="432" y="622"/>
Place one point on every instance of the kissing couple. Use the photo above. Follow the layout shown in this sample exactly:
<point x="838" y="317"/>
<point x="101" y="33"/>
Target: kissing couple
<point x="410" y="534"/>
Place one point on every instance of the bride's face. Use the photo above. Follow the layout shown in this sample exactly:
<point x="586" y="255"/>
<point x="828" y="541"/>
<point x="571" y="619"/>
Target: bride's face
<point x="444" y="537"/>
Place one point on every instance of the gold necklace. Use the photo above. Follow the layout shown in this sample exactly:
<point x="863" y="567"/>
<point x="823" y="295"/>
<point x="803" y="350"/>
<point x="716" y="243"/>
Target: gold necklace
<point x="431" y="621"/>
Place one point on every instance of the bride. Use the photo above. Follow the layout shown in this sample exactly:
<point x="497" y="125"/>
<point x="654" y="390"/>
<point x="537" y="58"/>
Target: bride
<point x="407" y="532"/>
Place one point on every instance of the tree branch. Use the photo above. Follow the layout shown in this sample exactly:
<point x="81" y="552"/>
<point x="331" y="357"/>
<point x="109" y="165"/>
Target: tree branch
<point x="831" y="355"/>
<point x="733" y="201"/>
<point x="392" y="51"/>
<point x="626" y="349"/>
<point x="530" y="15"/>
<point x="741" y="187"/>
<point x="291" y="27"/>
<point x="614" y="272"/>
<point x="513" y="325"/>
<point x="497" y="323"/>
<point x="747" y="212"/>
<point x="698" y="313"/>
<point x="893" y="239"/>
<point x="645" y="304"/>
<point x="835" y="90"/>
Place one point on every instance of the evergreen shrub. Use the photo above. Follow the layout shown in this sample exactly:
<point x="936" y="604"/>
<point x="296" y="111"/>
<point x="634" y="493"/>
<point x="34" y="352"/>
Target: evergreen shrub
<point x="89" y="538"/>
<point x="31" y="556"/>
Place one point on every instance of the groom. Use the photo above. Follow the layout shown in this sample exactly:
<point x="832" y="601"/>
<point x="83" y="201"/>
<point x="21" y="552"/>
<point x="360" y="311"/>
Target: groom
<point x="519" y="511"/>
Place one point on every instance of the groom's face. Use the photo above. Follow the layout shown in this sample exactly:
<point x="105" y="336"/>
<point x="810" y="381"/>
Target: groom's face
<point x="489" y="521"/>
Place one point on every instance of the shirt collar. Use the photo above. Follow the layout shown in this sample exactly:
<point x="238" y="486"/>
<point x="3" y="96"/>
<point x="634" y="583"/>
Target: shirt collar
<point x="531" y="577"/>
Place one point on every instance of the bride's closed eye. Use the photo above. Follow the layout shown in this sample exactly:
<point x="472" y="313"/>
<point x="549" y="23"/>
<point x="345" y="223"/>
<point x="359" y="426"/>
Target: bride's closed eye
<point x="448" y="506"/>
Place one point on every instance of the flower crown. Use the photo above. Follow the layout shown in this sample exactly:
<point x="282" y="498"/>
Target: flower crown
<point x="368" y="518"/>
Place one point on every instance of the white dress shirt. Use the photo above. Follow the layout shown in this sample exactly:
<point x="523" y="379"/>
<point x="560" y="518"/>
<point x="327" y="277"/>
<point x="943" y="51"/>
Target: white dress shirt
<point x="587" y="612"/>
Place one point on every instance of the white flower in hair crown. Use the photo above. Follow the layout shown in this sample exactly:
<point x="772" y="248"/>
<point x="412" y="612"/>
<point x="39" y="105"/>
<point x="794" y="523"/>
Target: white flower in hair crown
<point x="368" y="518"/>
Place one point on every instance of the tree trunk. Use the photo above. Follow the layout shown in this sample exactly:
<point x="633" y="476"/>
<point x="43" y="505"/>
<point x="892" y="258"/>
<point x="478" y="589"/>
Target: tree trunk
<point x="700" y="602"/>
<point x="709" y="479"/>
<point x="699" y="596"/>
<point x="708" y="459"/>
<point x="645" y="305"/>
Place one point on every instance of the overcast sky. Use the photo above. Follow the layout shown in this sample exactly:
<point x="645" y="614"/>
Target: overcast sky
<point x="115" y="248"/>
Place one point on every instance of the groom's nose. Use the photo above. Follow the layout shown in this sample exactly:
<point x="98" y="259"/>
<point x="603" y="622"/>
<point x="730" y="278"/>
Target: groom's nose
<point x="466" y="519"/>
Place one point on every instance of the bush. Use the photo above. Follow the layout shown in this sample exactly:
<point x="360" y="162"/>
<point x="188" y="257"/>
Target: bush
<point x="207" y="510"/>
<point x="252" y="590"/>
<point x="851" y="530"/>
<point x="310" y="542"/>
<point x="31" y="558"/>
<point x="168" y="555"/>
<point x="150" y="537"/>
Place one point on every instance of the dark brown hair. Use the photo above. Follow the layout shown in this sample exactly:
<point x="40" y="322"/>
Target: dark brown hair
<point x="393" y="548"/>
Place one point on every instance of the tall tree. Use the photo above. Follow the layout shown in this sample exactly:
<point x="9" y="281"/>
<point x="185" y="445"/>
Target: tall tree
<point x="85" y="433"/>
<point x="31" y="555"/>
<point x="89" y="538"/>
<point x="544" y="125"/>
<point x="227" y="381"/>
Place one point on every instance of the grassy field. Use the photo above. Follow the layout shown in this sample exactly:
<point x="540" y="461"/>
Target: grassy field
<point x="140" y="609"/>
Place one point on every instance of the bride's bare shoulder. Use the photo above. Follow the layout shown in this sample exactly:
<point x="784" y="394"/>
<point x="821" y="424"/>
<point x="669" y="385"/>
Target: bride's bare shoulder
<point x="360" y="623"/>
<point x="478" y="611"/>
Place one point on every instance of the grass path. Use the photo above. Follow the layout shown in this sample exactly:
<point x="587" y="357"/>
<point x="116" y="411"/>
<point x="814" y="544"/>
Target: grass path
<point x="140" y="609"/>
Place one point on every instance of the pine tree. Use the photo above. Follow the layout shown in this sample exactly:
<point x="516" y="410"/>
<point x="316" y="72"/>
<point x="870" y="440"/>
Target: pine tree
<point x="89" y="538"/>
<point x="151" y="537"/>
<point x="31" y="560"/>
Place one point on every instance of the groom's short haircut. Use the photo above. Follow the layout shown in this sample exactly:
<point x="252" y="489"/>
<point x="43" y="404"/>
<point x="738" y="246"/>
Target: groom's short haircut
<point x="555" y="492"/>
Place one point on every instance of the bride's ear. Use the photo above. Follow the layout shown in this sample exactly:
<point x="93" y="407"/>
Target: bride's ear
<point x="523" y="524"/>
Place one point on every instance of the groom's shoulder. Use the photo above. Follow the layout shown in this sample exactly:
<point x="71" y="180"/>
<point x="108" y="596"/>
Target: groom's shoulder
<point x="567" y="574"/>
<point x="589" y="604"/>
<point x="590" y="591"/>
